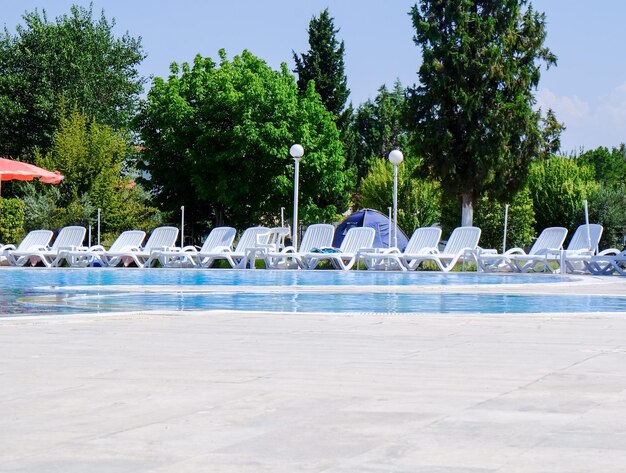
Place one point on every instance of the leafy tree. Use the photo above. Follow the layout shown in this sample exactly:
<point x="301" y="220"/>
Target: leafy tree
<point x="75" y="57"/>
<point x="419" y="200"/>
<point x="377" y="127"/>
<point x="551" y="130"/>
<point x="323" y="64"/>
<point x="474" y="103"/>
<point x="607" y="206"/>
<point x="609" y="166"/>
<point x="218" y="136"/>
<point x="558" y="187"/>
<point x="91" y="157"/>
<point x="520" y="222"/>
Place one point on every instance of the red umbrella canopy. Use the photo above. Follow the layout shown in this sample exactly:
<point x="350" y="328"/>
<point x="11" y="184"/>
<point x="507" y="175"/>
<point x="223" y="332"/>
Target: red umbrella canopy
<point x="11" y="169"/>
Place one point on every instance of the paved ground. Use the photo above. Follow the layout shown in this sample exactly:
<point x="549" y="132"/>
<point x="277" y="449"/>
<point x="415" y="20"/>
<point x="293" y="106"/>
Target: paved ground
<point x="314" y="393"/>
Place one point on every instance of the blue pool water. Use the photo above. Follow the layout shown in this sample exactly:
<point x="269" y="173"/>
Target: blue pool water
<point x="24" y="290"/>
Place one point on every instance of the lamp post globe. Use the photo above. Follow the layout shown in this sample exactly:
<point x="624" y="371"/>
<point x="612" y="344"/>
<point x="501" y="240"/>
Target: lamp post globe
<point x="395" y="158"/>
<point x="296" y="151"/>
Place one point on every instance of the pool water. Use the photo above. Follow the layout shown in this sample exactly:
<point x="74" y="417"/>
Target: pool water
<point x="45" y="291"/>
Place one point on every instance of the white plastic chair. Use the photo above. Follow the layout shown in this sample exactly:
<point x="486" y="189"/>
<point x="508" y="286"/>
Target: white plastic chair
<point x="515" y="259"/>
<point x="68" y="238"/>
<point x="161" y="238"/>
<point x="129" y="240"/>
<point x="219" y="239"/>
<point x="460" y="247"/>
<point x="424" y="240"/>
<point x="35" y="240"/>
<point x="319" y="235"/>
<point x="237" y="258"/>
<point x="345" y="257"/>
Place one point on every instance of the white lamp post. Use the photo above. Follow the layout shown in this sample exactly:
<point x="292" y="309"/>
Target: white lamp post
<point x="395" y="158"/>
<point x="296" y="152"/>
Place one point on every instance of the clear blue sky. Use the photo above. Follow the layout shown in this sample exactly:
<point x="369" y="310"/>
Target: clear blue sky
<point x="587" y="89"/>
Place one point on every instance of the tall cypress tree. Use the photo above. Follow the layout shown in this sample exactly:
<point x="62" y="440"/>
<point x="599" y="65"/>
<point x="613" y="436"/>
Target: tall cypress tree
<point x="474" y="104"/>
<point x="323" y="64"/>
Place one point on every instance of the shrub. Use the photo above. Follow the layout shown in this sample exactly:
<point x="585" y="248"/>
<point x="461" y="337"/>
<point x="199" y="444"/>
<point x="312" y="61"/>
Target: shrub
<point x="11" y="220"/>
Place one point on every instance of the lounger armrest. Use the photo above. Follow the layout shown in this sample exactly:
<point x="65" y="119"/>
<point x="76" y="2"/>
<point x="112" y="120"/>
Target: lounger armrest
<point x="71" y="248"/>
<point x="515" y="251"/>
<point x="188" y="248"/>
<point x="97" y="248"/>
<point x="610" y="252"/>
<point x="486" y="251"/>
<point x="8" y="247"/>
<point x="288" y="249"/>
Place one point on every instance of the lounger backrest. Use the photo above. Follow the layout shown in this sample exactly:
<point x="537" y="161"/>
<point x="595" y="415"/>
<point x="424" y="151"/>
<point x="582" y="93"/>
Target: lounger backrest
<point x="586" y="241"/>
<point x="35" y="239"/>
<point x="220" y="237"/>
<point x="162" y="237"/>
<point x="357" y="238"/>
<point x="128" y="239"/>
<point x="249" y="238"/>
<point x="424" y="237"/>
<point x="319" y="235"/>
<point x="550" y="238"/>
<point x="462" y="238"/>
<point x="69" y="237"/>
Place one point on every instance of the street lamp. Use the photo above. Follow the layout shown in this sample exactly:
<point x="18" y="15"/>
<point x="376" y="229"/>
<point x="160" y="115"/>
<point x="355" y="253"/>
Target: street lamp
<point x="296" y="152"/>
<point x="395" y="158"/>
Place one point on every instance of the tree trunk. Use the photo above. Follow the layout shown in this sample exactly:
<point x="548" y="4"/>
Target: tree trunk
<point x="467" y="215"/>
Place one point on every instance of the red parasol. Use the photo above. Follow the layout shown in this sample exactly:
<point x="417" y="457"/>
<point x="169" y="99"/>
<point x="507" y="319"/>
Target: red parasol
<point x="11" y="169"/>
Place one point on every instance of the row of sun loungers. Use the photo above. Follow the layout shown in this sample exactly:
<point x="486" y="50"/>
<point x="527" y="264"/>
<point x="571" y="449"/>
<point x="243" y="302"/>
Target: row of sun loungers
<point x="268" y="245"/>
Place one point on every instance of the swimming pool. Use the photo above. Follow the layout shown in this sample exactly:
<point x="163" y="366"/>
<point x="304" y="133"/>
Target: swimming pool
<point x="101" y="290"/>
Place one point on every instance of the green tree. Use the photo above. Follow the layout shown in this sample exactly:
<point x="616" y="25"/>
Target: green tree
<point x="75" y="57"/>
<point x="376" y="128"/>
<point x="218" y="137"/>
<point x="520" y="222"/>
<point x="474" y="103"/>
<point x="91" y="156"/>
<point x="607" y="206"/>
<point x="558" y="187"/>
<point x="323" y="64"/>
<point x="609" y="166"/>
<point x="419" y="200"/>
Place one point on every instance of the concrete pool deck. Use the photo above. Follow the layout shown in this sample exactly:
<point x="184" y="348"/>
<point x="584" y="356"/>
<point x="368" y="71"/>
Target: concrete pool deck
<point x="260" y="392"/>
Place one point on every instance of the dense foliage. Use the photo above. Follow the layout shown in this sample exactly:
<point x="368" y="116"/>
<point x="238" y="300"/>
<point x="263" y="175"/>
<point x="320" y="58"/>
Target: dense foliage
<point x="11" y="220"/>
<point x="419" y="200"/>
<point x="474" y="103"/>
<point x="558" y="187"/>
<point x="376" y="128"/>
<point x="217" y="139"/>
<point x="91" y="156"/>
<point x="75" y="57"/>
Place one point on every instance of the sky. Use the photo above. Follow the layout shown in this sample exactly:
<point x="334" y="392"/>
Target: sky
<point x="587" y="88"/>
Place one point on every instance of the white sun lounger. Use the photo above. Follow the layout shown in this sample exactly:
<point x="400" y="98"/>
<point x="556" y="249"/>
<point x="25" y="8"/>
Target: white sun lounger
<point x="97" y="255"/>
<point x="68" y="238"/>
<point x="237" y="258"/>
<point x="319" y="235"/>
<point x="345" y="257"/>
<point x="460" y="247"/>
<point x="516" y="259"/>
<point x="219" y="239"/>
<point x="161" y="238"/>
<point x="35" y="240"/>
<point x="425" y="240"/>
<point x="581" y="248"/>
